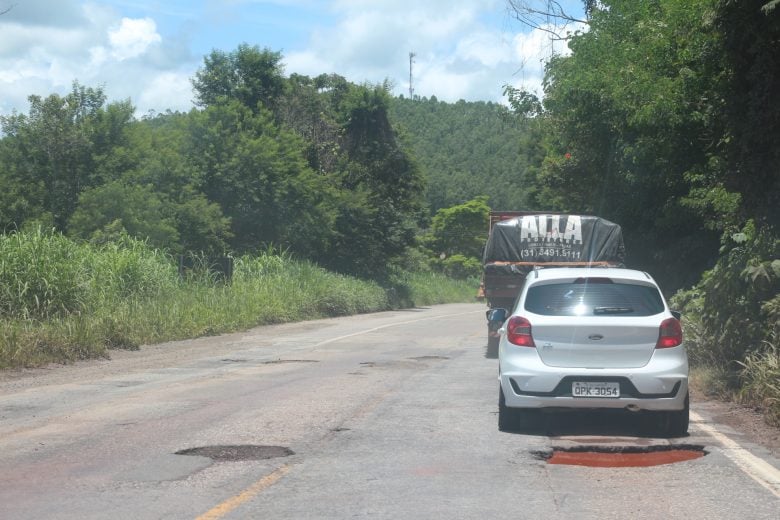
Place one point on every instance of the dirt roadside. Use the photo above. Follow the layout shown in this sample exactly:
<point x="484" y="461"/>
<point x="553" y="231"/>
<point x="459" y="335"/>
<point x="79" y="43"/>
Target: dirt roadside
<point x="747" y="421"/>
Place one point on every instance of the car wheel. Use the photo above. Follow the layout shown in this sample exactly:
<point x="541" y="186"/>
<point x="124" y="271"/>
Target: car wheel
<point x="507" y="418"/>
<point x="514" y="419"/>
<point x="675" y="423"/>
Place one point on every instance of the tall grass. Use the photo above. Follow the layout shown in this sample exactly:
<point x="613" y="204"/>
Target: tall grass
<point x="41" y="275"/>
<point x="429" y="288"/>
<point x="61" y="300"/>
<point x="760" y="376"/>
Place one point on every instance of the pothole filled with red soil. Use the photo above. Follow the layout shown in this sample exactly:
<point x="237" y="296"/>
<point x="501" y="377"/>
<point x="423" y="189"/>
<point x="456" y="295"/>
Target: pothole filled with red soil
<point x="622" y="456"/>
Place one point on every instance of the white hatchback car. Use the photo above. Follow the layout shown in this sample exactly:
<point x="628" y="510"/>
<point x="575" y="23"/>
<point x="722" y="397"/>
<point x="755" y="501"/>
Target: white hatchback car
<point x="598" y="338"/>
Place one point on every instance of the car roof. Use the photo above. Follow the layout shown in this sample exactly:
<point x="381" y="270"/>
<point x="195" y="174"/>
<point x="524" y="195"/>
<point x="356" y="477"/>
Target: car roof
<point x="572" y="273"/>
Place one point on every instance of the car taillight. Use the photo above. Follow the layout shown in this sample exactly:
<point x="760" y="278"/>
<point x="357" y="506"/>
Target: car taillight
<point x="670" y="334"/>
<point x="518" y="332"/>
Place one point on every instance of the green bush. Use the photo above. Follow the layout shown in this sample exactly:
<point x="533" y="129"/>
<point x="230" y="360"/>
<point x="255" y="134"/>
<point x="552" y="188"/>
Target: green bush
<point x="760" y="378"/>
<point x="734" y="309"/>
<point x="461" y="267"/>
<point x="731" y="318"/>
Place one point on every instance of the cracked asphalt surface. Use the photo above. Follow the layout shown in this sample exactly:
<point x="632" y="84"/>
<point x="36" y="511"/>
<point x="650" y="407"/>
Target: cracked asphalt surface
<point x="387" y="415"/>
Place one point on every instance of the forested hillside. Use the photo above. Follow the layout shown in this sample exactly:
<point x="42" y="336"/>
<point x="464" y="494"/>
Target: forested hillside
<point x="468" y="149"/>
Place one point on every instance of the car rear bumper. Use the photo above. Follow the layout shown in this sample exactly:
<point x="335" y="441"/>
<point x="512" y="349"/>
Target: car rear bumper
<point x="660" y="385"/>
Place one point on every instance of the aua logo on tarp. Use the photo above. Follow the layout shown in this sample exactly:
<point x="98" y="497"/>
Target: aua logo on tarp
<point x="543" y="237"/>
<point x="551" y="229"/>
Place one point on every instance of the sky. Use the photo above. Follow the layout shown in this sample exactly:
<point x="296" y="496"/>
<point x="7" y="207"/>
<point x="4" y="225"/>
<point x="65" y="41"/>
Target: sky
<point x="148" y="50"/>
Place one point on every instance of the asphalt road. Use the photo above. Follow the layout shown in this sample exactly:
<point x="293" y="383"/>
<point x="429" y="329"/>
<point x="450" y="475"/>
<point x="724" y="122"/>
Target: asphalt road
<point x="389" y="415"/>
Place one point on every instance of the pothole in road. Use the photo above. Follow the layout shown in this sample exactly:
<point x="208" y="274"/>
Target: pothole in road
<point x="429" y="358"/>
<point x="125" y="384"/>
<point x="283" y="361"/>
<point x="238" y="453"/>
<point x="622" y="456"/>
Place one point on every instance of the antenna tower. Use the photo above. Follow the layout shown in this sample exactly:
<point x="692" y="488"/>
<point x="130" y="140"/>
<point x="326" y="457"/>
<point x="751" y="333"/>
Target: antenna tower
<point x="411" y="85"/>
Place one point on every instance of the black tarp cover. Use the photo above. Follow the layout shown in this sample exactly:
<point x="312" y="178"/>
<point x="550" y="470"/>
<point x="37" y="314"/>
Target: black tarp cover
<point x="552" y="239"/>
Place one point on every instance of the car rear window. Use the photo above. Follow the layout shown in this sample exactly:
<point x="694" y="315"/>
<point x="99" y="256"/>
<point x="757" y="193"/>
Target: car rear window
<point x="603" y="298"/>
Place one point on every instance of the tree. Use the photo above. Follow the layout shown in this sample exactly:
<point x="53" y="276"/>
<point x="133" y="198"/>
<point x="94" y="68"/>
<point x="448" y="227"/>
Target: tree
<point x="750" y="33"/>
<point x="380" y="187"/>
<point x="307" y="108"/>
<point x="549" y="16"/>
<point x="632" y="120"/>
<point x="456" y="238"/>
<point x="252" y="76"/>
<point x="56" y="149"/>
<point x="106" y="211"/>
<point x="460" y="230"/>
<point x="257" y="174"/>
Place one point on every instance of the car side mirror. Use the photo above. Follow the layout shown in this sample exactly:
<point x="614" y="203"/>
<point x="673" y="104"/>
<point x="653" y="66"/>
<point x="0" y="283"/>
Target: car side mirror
<point x="677" y="315"/>
<point x="498" y="315"/>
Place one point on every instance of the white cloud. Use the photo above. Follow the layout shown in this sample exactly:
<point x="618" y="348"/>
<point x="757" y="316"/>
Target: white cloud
<point x="126" y="56"/>
<point x="487" y="48"/>
<point x="166" y="90"/>
<point x="133" y="37"/>
<point x="307" y="62"/>
<point x="439" y="81"/>
<point x="458" y="56"/>
<point x="464" y="48"/>
<point x="62" y="13"/>
<point x="371" y="42"/>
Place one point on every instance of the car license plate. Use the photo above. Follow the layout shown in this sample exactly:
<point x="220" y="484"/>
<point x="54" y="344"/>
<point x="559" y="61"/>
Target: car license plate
<point x="593" y="389"/>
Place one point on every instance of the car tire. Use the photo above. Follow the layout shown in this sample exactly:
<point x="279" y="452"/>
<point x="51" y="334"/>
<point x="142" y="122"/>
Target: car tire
<point x="675" y="423"/>
<point x="507" y="417"/>
<point x="514" y="419"/>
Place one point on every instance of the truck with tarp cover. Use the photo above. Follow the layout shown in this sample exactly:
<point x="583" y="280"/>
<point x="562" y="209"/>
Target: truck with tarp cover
<point x="520" y="241"/>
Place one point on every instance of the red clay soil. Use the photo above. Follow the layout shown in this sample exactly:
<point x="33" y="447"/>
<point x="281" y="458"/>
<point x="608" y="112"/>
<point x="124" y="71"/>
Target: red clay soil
<point x="622" y="460"/>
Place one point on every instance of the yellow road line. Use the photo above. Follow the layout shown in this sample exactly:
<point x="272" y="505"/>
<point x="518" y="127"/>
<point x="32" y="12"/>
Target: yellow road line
<point x="230" y="504"/>
<point x="757" y="469"/>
